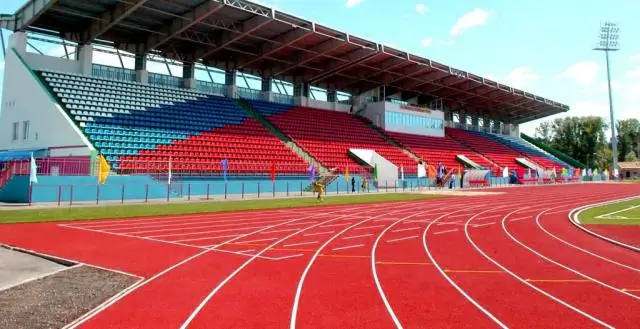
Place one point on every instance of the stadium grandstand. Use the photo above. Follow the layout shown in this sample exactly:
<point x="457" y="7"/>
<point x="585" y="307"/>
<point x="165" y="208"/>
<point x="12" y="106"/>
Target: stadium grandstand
<point x="263" y="97"/>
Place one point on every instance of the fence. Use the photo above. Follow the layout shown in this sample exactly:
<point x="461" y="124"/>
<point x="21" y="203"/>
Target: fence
<point x="85" y="166"/>
<point x="154" y="192"/>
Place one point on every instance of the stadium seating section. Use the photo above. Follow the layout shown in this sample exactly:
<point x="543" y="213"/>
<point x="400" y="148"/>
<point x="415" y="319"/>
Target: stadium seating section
<point x="436" y="149"/>
<point x="140" y="127"/>
<point x="542" y="158"/>
<point x="495" y="151"/>
<point x="328" y="136"/>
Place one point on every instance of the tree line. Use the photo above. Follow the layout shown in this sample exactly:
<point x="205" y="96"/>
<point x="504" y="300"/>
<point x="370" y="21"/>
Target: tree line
<point x="586" y="139"/>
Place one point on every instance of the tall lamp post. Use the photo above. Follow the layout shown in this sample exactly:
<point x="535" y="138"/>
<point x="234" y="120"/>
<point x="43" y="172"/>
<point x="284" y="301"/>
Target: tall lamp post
<point x="609" y="33"/>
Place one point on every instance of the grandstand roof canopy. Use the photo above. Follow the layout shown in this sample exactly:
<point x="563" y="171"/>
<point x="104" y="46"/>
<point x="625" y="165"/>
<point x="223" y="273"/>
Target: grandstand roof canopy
<point x="262" y="41"/>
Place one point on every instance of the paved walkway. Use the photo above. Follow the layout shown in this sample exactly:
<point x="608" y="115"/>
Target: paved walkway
<point x="17" y="267"/>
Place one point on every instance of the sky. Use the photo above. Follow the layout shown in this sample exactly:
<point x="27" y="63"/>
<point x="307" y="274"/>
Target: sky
<point x="540" y="46"/>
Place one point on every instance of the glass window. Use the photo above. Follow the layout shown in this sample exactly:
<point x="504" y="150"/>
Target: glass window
<point x="25" y="130"/>
<point x="15" y="133"/>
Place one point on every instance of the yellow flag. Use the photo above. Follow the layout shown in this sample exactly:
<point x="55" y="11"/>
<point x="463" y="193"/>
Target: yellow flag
<point x="346" y="173"/>
<point x="103" y="169"/>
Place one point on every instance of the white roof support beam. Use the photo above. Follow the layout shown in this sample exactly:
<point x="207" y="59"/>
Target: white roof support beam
<point x="229" y="37"/>
<point x="312" y="54"/>
<point x="183" y="23"/>
<point x="110" y="18"/>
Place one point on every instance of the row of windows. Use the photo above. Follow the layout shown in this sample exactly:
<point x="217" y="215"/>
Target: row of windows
<point x="15" y="134"/>
<point x="410" y="120"/>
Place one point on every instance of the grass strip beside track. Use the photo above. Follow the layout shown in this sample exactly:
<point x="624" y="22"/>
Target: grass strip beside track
<point x="617" y="211"/>
<point x="135" y="211"/>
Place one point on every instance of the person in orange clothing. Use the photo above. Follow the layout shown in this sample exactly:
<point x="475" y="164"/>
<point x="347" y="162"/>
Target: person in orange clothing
<point x="319" y="188"/>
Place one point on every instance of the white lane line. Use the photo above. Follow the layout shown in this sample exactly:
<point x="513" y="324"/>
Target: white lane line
<point x="487" y="217"/>
<point x="447" y="231"/>
<point x="306" y="223"/>
<point x="184" y="226"/>
<point x="518" y="218"/>
<point x="299" y="244"/>
<point x="481" y="225"/>
<point x="451" y="282"/>
<point x="407" y="229"/>
<point x="210" y="218"/>
<point x="199" y="232"/>
<point x="519" y="278"/>
<point x="215" y="290"/>
<point x="402" y="239"/>
<point x="142" y="283"/>
<point x="319" y="233"/>
<point x="334" y="225"/>
<point x="278" y="231"/>
<point x="618" y="211"/>
<point x="449" y="223"/>
<point x="349" y="247"/>
<point x="207" y="238"/>
<point x="356" y="236"/>
<point x="258" y="240"/>
<point x="286" y="257"/>
<point x="368" y="227"/>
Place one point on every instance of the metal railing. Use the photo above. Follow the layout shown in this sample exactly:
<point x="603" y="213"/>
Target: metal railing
<point x="184" y="191"/>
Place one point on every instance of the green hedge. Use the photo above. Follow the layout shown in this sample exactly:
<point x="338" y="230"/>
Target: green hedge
<point x="569" y="160"/>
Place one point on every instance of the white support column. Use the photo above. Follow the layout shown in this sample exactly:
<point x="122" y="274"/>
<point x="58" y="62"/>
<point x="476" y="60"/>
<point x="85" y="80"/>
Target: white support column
<point x="142" y="75"/>
<point x="18" y="40"/>
<point x="188" y="75"/>
<point x="85" y="58"/>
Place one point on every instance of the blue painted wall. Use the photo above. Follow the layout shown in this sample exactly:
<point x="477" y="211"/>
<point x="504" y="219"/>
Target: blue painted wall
<point x="66" y="189"/>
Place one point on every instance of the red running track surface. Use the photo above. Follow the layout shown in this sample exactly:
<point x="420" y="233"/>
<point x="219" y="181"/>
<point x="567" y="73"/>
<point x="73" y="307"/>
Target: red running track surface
<point x="509" y="260"/>
<point x="627" y="234"/>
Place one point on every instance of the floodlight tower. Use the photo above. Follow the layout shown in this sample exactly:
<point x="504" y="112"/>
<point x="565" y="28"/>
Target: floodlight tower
<point x="609" y="33"/>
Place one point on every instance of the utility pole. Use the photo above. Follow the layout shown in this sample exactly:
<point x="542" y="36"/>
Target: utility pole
<point x="609" y="33"/>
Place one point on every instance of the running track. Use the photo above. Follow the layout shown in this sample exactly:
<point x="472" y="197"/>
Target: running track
<point x="511" y="260"/>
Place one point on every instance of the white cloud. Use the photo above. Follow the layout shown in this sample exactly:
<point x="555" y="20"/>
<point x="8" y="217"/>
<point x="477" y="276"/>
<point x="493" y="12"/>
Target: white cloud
<point x="426" y="42"/>
<point x="474" y="18"/>
<point x="266" y="3"/>
<point x="615" y="85"/>
<point x="490" y="77"/>
<point x="421" y="9"/>
<point x="447" y="42"/>
<point x="600" y="109"/>
<point x="352" y="3"/>
<point x="634" y="74"/>
<point x="585" y="72"/>
<point x="521" y="77"/>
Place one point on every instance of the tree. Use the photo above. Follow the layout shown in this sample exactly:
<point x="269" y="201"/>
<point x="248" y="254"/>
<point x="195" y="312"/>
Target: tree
<point x="544" y="132"/>
<point x="627" y="131"/>
<point x="631" y="157"/>
<point x="582" y="138"/>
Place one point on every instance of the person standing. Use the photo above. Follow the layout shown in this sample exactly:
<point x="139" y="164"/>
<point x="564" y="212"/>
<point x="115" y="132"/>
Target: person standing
<point x="353" y="185"/>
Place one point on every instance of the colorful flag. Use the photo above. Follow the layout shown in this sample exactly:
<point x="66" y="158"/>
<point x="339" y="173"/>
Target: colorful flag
<point x="225" y="166"/>
<point x="103" y="169"/>
<point x="375" y="172"/>
<point x="312" y="172"/>
<point x="346" y="173"/>
<point x="33" y="172"/>
<point x="169" y="178"/>
<point x="273" y="171"/>
<point x="431" y="172"/>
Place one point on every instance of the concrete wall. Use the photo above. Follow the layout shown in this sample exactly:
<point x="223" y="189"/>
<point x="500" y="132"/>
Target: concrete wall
<point x="25" y="98"/>
<point x="375" y="113"/>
